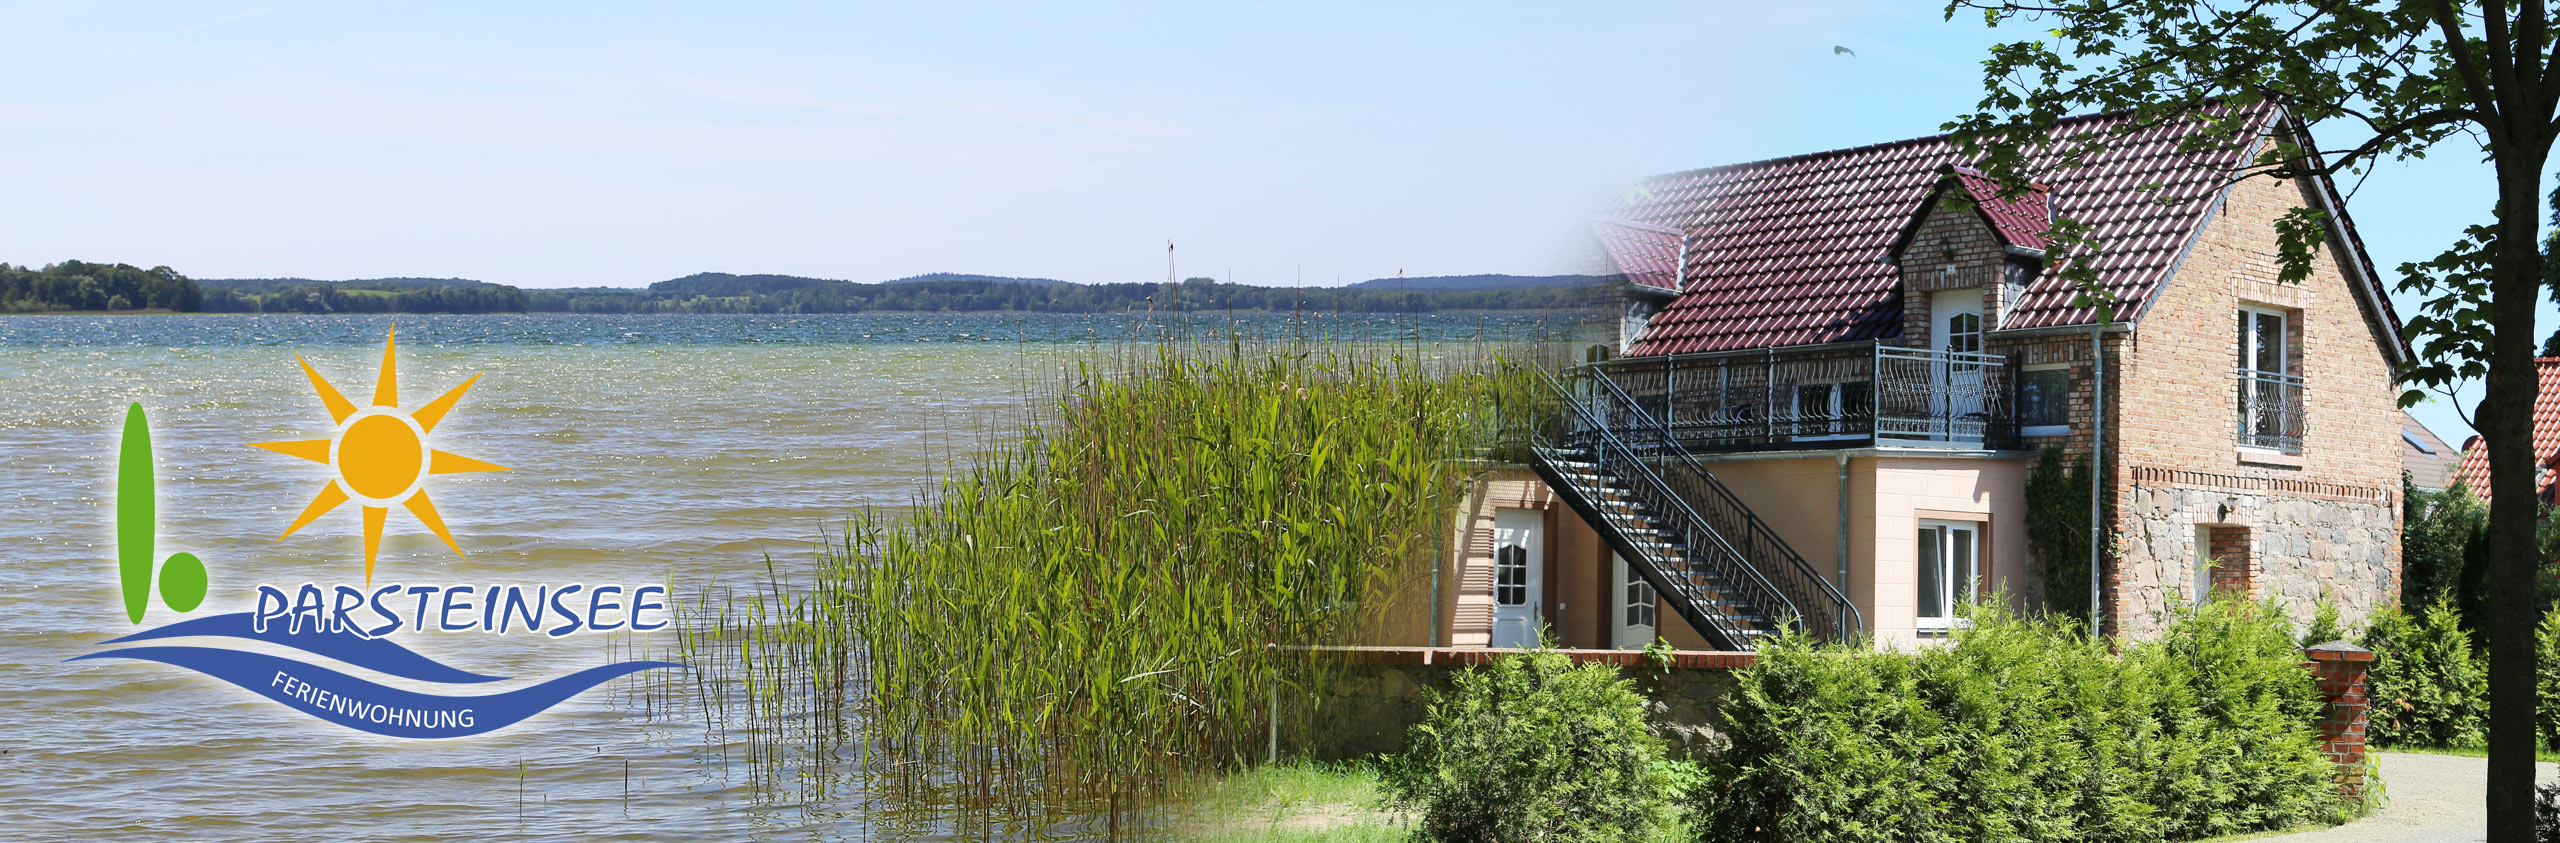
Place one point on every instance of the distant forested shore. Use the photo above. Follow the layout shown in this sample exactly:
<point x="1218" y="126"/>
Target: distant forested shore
<point x="77" y="286"/>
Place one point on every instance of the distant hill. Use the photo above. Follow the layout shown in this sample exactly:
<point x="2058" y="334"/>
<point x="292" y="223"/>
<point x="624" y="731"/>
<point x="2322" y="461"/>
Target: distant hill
<point x="1472" y="282"/>
<point x="261" y="285"/>
<point x="722" y="284"/>
<point x="963" y="276"/>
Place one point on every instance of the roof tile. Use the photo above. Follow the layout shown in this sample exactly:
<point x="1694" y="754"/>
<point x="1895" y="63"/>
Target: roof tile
<point x="2474" y="471"/>
<point x="1805" y="237"/>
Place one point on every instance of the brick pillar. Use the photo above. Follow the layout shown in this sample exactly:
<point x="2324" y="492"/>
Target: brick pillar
<point x="2339" y="667"/>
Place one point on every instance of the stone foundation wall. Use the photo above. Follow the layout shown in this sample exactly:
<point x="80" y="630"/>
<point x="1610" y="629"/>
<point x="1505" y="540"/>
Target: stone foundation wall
<point x="1377" y="695"/>
<point x="2298" y="548"/>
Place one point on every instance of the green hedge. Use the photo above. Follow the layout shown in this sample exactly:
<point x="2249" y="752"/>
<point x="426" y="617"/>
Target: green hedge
<point x="2025" y="729"/>
<point x="2429" y="685"/>
<point x="1533" y="747"/>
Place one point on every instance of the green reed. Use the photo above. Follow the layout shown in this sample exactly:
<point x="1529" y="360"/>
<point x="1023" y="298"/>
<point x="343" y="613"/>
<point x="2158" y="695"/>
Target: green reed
<point x="1097" y="612"/>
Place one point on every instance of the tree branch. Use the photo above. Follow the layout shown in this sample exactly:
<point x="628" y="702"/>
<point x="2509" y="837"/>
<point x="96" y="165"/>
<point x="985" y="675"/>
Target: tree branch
<point x="2483" y="99"/>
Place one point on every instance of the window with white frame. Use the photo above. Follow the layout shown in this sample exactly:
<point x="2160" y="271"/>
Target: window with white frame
<point x="1641" y="609"/>
<point x="2044" y="400"/>
<point x="1950" y="561"/>
<point x="1511" y="575"/>
<point x="2270" y="399"/>
<point x="1964" y="333"/>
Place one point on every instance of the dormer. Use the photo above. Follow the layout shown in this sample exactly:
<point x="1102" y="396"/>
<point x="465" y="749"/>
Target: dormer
<point x="1963" y="236"/>
<point x="1649" y="258"/>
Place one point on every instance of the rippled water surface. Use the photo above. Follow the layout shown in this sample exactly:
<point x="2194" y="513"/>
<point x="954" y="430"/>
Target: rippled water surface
<point x="643" y="449"/>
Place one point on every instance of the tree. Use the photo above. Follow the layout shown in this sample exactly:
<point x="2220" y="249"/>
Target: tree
<point x="2413" y="77"/>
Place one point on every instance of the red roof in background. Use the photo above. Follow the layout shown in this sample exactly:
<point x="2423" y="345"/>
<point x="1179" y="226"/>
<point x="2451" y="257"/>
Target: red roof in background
<point x="1646" y="254"/>
<point x="1790" y="251"/>
<point x="2474" y="471"/>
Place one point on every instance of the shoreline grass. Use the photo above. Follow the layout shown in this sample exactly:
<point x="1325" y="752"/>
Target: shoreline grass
<point x="1077" y="627"/>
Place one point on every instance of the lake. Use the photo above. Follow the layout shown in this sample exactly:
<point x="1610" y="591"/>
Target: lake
<point x="678" y="450"/>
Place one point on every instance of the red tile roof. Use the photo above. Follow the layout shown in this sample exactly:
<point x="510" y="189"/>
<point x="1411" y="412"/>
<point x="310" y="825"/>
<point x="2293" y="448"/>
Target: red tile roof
<point x="1791" y="251"/>
<point x="2474" y="471"/>
<point x="1646" y="254"/>
<point x="2021" y="222"/>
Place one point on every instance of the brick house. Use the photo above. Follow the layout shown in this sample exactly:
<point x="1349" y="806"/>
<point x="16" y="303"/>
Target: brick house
<point x="1837" y="369"/>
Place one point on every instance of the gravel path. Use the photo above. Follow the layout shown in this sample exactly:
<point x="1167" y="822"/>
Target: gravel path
<point x="2433" y="798"/>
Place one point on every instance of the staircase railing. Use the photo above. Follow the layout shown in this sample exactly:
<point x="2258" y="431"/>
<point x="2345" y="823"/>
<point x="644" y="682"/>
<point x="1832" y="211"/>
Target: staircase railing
<point x="1826" y="611"/>
<point x="1705" y="550"/>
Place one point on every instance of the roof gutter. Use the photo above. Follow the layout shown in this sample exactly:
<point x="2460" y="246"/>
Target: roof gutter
<point x="2118" y="327"/>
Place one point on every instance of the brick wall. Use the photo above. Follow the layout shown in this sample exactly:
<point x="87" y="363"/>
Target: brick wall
<point x="1952" y="249"/>
<point x="2339" y="668"/>
<point x="2325" y="520"/>
<point x="2233" y="571"/>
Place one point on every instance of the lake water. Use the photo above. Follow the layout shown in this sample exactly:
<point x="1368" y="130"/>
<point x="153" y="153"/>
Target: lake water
<point x="644" y="449"/>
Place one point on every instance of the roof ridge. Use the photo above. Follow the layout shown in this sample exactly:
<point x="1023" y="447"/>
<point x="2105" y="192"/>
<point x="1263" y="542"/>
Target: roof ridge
<point x="1820" y="153"/>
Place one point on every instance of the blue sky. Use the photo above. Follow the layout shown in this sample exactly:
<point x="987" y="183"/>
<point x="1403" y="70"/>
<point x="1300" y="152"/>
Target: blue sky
<point x="621" y="144"/>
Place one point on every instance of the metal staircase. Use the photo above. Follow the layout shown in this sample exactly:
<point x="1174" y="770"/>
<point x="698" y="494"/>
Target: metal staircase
<point x="1714" y="562"/>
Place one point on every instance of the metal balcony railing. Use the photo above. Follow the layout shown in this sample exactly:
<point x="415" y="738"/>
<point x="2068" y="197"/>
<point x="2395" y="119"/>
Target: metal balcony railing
<point x="2270" y="411"/>
<point x="1825" y="396"/>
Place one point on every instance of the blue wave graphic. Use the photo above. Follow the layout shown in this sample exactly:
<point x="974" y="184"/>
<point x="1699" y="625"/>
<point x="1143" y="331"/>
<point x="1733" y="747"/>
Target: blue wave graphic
<point x="371" y="707"/>
<point x="376" y="654"/>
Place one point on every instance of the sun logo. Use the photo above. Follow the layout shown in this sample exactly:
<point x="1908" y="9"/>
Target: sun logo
<point x="379" y="456"/>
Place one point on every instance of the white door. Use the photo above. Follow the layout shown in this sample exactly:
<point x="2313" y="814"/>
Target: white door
<point x="1955" y="318"/>
<point x="1637" y="607"/>
<point x="1519" y="557"/>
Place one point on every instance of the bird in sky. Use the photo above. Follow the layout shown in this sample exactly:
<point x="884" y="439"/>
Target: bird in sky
<point x="1843" y="51"/>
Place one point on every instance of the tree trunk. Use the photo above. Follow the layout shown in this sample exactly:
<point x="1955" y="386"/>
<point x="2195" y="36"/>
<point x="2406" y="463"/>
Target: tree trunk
<point x="2505" y="415"/>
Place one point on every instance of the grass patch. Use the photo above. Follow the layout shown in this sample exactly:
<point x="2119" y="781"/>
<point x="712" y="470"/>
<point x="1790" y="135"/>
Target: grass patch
<point x="2539" y="754"/>
<point x="1291" y="801"/>
<point x="1308" y="801"/>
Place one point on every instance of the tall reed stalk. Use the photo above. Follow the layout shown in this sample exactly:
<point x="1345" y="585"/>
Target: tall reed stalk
<point x="1097" y="612"/>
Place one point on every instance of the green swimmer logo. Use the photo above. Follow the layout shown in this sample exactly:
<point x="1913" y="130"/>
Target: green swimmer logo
<point x="182" y="581"/>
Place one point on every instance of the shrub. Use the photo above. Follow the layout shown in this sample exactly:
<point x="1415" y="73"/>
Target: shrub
<point x="2324" y="625"/>
<point x="2024" y="729"/>
<point x="2058" y="529"/>
<point x="1532" y="747"/>
<point x="2437" y="532"/>
<point x="2427" y="687"/>
<point x="2239" y="750"/>
<point x="2546" y="723"/>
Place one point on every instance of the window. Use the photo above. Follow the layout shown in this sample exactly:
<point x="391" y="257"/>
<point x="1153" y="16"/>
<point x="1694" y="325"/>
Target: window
<point x="1964" y="333"/>
<point x="2270" y="400"/>
<point x="1511" y="575"/>
<point x="1949" y="557"/>
<point x="1639" y="318"/>
<point x="2044" y="402"/>
<point x="1642" y="611"/>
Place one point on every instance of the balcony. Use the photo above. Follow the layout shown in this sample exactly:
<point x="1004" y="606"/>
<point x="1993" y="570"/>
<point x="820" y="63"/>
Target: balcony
<point x="1842" y="395"/>
<point x="2270" y="411"/>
